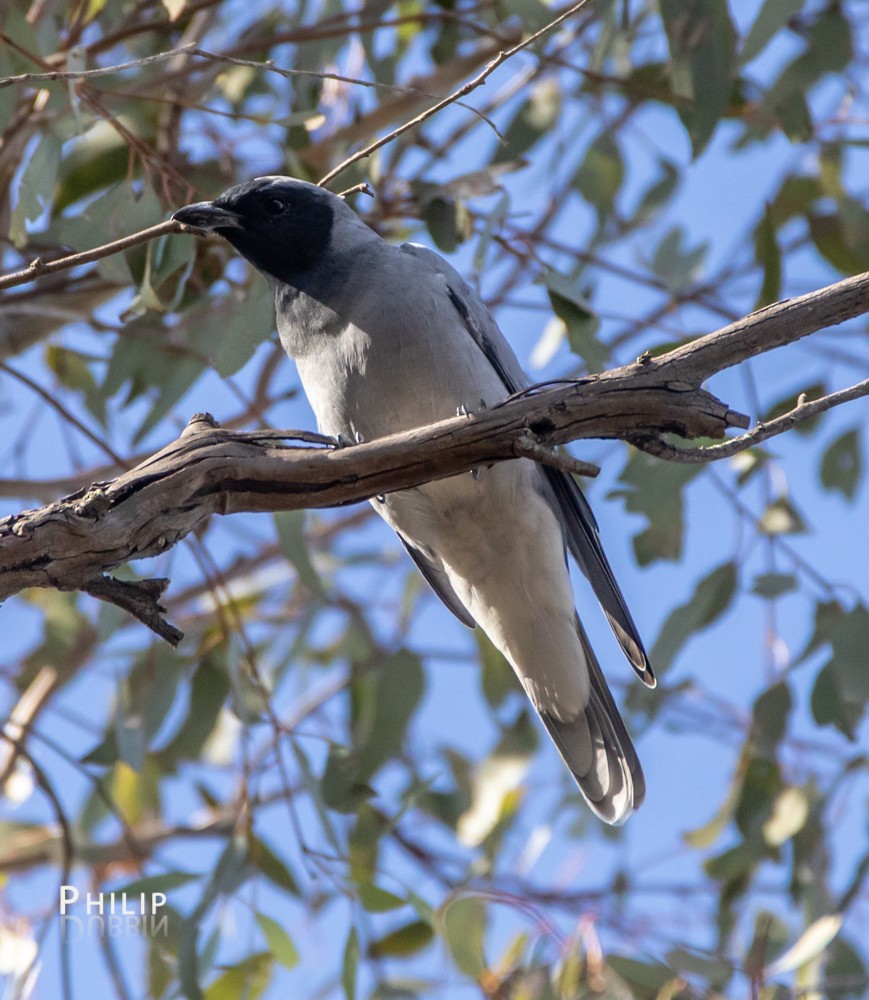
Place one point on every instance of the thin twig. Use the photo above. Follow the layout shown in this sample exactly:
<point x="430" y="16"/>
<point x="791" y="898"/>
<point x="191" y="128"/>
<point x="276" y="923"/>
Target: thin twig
<point x="38" y="267"/>
<point x="22" y="715"/>
<point x="69" y="417"/>
<point x="803" y="411"/>
<point x="87" y="74"/>
<point x="454" y="97"/>
<point x="529" y="447"/>
<point x="191" y="49"/>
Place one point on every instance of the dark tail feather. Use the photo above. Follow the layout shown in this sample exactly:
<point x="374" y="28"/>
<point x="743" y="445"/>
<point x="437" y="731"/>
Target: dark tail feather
<point x="584" y="543"/>
<point x="598" y="750"/>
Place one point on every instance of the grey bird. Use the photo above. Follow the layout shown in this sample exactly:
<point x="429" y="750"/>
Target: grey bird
<point x="386" y="338"/>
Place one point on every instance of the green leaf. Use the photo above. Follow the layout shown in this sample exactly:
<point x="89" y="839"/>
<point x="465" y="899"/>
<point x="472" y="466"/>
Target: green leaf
<point x="844" y="965"/>
<point x="231" y="871"/>
<point x="96" y="160"/>
<point x="534" y="120"/>
<point x="343" y="789"/>
<point x="842" y="464"/>
<point x="497" y="677"/>
<point x="716" y="971"/>
<point x="771" y="18"/>
<point x="406" y="940"/>
<point x="570" y="305"/>
<point x="827" y="49"/>
<point x="464" y="928"/>
<point x="768" y="256"/>
<point x="272" y="866"/>
<point x="654" y="489"/>
<point x="249" y="699"/>
<point x="144" y="699"/>
<point x="377" y="900"/>
<point x="841" y="690"/>
<point x="494" y="221"/>
<point x="706" y="835"/>
<point x="677" y="265"/>
<point x="382" y="704"/>
<point x="36" y="187"/>
<point x="65" y="630"/>
<point x="315" y="791"/>
<point x="814" y="939"/>
<point x="761" y="784"/>
<point x="773" y="585"/>
<point x="120" y="211"/>
<point x="165" y="883"/>
<point x="72" y="371"/>
<point x="600" y="175"/>
<point x="789" y="814"/>
<point x="364" y="843"/>
<point x="770" y="719"/>
<point x="349" y="964"/>
<point x="448" y="222"/>
<point x="290" y="526"/>
<point x="229" y="331"/>
<point x="278" y="941"/>
<point x="246" y="981"/>
<point x="136" y="793"/>
<point x="711" y="598"/>
<point x="782" y="518"/>
<point x="702" y="43"/>
<point x="646" y="979"/>
<point x="735" y="864"/>
<point x="129" y="729"/>
<point x="659" y="192"/>
<point x="208" y="691"/>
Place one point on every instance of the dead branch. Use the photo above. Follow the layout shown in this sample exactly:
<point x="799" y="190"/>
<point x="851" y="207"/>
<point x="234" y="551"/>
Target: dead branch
<point x="73" y="543"/>
<point x="38" y="267"/>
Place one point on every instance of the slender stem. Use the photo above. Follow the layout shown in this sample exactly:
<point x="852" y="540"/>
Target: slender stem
<point x="38" y="268"/>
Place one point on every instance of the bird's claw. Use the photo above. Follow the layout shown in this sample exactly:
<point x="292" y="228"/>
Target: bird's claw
<point x="342" y="441"/>
<point x="463" y="411"/>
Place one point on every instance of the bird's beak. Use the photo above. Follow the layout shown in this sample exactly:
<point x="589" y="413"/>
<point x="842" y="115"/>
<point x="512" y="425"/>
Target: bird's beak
<point x="207" y="216"/>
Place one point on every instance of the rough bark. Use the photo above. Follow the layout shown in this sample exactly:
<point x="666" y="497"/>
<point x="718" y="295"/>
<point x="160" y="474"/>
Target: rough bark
<point x="72" y="543"/>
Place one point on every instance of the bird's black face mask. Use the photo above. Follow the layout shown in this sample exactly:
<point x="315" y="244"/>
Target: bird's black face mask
<point x="283" y="227"/>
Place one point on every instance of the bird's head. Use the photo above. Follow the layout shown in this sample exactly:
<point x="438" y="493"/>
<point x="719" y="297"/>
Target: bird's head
<point x="281" y="225"/>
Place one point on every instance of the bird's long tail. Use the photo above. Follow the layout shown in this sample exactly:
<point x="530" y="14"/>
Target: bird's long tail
<point x="598" y="750"/>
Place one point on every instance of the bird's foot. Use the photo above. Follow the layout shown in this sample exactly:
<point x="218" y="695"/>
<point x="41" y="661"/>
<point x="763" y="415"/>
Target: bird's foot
<point x="462" y="410"/>
<point x="342" y="441"/>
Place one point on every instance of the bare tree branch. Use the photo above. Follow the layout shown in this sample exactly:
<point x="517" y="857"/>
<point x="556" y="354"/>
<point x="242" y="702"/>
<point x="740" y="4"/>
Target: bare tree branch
<point x="72" y="543"/>
<point x="38" y="267"/>
<point x="804" y="410"/>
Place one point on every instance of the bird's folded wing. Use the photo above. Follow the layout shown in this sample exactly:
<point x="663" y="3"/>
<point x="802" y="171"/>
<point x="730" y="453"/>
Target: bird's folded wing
<point x="579" y="525"/>
<point x="583" y="540"/>
<point x="439" y="583"/>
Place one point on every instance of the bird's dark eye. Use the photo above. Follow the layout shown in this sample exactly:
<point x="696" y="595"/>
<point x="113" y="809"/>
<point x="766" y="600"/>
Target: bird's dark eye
<point x="274" y="206"/>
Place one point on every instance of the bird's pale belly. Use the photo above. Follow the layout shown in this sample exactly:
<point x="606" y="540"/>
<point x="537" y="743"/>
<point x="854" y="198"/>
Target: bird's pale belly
<point x="501" y="546"/>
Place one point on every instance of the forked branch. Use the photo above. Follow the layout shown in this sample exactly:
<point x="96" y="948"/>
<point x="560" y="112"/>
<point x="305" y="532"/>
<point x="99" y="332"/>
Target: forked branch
<point x="73" y="543"/>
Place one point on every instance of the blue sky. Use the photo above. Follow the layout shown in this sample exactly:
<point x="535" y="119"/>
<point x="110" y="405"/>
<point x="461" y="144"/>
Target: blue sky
<point x="719" y="202"/>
